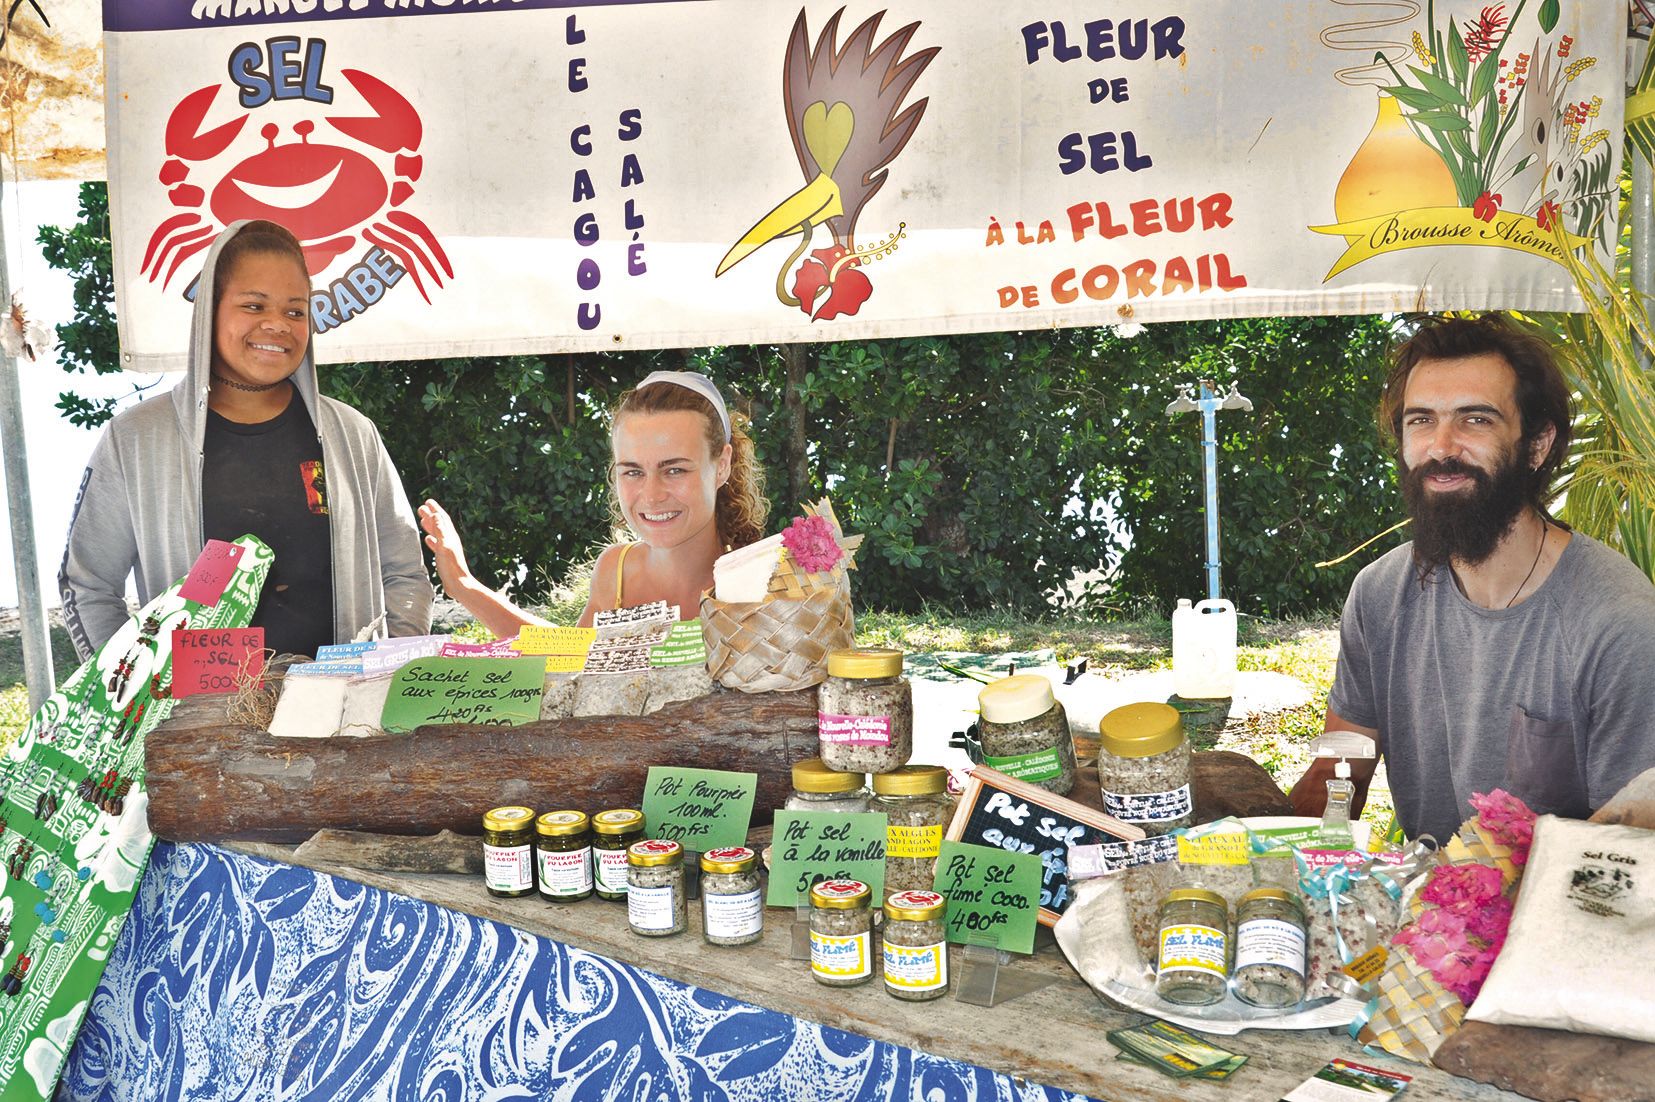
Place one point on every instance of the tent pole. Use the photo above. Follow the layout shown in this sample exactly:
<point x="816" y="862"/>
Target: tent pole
<point x="37" y="649"/>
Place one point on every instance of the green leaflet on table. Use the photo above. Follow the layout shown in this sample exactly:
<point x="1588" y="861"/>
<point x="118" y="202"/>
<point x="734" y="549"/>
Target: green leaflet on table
<point x="72" y="873"/>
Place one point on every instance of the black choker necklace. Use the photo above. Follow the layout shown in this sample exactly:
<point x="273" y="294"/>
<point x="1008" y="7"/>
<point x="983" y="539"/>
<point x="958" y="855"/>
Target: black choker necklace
<point x="251" y="388"/>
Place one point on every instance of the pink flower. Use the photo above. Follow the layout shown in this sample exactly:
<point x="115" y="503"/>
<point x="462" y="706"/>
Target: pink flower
<point x="1508" y="820"/>
<point x="1463" y="888"/>
<point x="812" y="543"/>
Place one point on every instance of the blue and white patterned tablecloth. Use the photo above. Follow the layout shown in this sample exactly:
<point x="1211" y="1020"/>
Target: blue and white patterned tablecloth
<point x="239" y="978"/>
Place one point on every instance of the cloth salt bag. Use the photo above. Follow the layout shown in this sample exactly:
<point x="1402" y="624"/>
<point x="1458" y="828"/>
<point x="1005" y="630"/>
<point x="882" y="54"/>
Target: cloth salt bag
<point x="1578" y="954"/>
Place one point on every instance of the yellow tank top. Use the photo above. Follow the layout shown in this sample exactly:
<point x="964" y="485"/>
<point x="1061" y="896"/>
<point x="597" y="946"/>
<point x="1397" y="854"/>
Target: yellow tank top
<point x="620" y="573"/>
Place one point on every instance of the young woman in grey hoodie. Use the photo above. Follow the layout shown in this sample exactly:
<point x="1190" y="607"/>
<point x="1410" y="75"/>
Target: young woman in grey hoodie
<point x="245" y="443"/>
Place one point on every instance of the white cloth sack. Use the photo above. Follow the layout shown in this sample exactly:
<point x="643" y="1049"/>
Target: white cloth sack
<point x="1578" y="955"/>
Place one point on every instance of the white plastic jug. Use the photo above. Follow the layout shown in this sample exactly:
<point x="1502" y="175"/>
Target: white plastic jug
<point x="1204" y="650"/>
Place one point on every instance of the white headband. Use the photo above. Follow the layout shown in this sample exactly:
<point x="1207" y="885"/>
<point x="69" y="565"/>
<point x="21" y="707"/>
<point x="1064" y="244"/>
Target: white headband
<point x="692" y="380"/>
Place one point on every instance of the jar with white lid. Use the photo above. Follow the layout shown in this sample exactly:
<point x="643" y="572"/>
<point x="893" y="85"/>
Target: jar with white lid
<point x="1025" y="732"/>
<point x="1144" y="767"/>
<point x="818" y="788"/>
<point x="865" y="711"/>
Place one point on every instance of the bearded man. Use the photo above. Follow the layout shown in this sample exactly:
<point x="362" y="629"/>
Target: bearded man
<point x="1499" y="649"/>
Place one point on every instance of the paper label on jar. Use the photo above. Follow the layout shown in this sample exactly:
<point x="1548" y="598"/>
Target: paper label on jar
<point x="651" y="908"/>
<point x="1193" y="949"/>
<point x="1149" y="807"/>
<point x="733" y="915"/>
<point x="1094" y="860"/>
<point x="1270" y="941"/>
<point x="1042" y="765"/>
<point x="840" y="958"/>
<point x="853" y="730"/>
<point x="508" y="868"/>
<point x="566" y="872"/>
<point x="1227" y="848"/>
<point x="907" y="841"/>
<point x="611" y="870"/>
<point x="916" y="967"/>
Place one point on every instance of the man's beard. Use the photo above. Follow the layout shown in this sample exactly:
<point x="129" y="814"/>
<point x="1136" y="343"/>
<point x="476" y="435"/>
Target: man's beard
<point x="1466" y="525"/>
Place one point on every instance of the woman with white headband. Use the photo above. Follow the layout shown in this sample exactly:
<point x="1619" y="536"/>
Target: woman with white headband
<point x="685" y="481"/>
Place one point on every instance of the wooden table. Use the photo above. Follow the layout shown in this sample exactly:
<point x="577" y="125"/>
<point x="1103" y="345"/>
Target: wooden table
<point x="1054" y="1036"/>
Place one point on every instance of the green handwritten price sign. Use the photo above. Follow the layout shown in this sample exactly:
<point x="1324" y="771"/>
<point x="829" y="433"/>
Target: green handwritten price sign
<point x="992" y="895"/>
<point x="683" y="646"/>
<point x="497" y="692"/>
<point x="701" y="808"/>
<point x="808" y="846"/>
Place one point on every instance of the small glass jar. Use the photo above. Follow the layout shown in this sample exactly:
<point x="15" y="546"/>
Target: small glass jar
<point x="865" y="712"/>
<point x="841" y="929"/>
<point x="508" y="851"/>
<point x="1270" y="949"/>
<point x="818" y="788"/>
<point x="612" y="832"/>
<point x="1194" y="964"/>
<point x="732" y="910"/>
<point x="1025" y="732"/>
<point x="1144" y="767"/>
<point x="915" y="946"/>
<point x="563" y="851"/>
<point x="655" y="897"/>
<point x="917" y="808"/>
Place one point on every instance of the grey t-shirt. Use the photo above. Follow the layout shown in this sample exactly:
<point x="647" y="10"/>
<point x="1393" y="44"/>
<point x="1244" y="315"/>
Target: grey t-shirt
<point x="1552" y="700"/>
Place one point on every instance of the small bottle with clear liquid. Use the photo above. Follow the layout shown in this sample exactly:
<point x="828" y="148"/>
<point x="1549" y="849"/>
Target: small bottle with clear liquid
<point x="1336" y="817"/>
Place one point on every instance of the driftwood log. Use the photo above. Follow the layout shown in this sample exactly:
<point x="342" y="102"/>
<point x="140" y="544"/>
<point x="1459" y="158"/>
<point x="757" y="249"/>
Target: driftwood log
<point x="210" y="780"/>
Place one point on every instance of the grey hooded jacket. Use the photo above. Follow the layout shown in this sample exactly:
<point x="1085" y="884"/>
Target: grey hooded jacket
<point x="139" y="507"/>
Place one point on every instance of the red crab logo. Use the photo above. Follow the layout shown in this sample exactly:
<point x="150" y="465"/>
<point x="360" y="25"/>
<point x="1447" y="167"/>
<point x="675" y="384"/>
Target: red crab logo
<point x="325" y="194"/>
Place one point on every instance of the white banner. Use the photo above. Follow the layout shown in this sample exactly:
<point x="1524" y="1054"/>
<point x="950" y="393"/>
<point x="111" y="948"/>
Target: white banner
<point x="488" y="177"/>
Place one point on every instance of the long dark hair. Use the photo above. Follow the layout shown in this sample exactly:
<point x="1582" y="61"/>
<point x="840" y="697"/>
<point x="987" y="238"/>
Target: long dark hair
<point x="258" y="237"/>
<point x="1543" y="397"/>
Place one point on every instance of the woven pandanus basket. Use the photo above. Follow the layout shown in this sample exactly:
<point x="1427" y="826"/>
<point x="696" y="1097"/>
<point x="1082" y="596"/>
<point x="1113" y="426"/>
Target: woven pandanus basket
<point x="782" y="642"/>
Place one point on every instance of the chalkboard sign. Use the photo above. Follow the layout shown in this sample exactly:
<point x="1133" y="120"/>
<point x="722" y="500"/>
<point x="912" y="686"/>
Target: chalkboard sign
<point x="997" y="810"/>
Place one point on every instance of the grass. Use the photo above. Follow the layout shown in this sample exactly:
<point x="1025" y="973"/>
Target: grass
<point x="1301" y="648"/>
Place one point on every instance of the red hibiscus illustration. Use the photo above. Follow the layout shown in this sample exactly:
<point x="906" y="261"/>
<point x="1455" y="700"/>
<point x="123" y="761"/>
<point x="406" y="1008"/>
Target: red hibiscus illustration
<point x="1548" y="214"/>
<point x="1486" y="207"/>
<point x="847" y="290"/>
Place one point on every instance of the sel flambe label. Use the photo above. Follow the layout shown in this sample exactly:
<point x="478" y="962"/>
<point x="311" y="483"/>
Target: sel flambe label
<point x="916" y="967"/>
<point x="1193" y="949"/>
<point x="508" y="868"/>
<point x="854" y="730"/>
<point x="840" y="957"/>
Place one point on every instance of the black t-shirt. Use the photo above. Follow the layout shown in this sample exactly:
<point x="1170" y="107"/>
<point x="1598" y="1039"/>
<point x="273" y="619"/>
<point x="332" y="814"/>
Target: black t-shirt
<point x="267" y="479"/>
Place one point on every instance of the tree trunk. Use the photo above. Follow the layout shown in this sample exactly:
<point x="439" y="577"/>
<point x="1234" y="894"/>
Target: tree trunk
<point x="795" y="360"/>
<point x="214" y="781"/>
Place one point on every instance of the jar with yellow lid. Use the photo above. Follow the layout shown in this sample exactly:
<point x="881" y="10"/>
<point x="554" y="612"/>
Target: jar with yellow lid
<point x="915" y="946"/>
<point x="818" y="788"/>
<point x="1144" y="767"/>
<point x="865" y="711"/>
<point x="508" y="851"/>
<point x="1025" y="732"/>
<point x="563" y="851"/>
<point x="1193" y="965"/>
<point x="655" y="896"/>
<point x="917" y="808"/>
<point x="841" y="929"/>
<point x="732" y="912"/>
<point x="612" y="832"/>
<point x="1270" y="948"/>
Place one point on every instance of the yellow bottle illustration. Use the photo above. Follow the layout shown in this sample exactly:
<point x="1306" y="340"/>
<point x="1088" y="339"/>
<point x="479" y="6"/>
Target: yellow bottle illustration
<point x="1392" y="170"/>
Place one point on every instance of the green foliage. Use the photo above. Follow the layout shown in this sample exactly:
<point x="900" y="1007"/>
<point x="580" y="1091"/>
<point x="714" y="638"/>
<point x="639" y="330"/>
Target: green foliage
<point x="986" y="470"/>
<point x="89" y="343"/>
